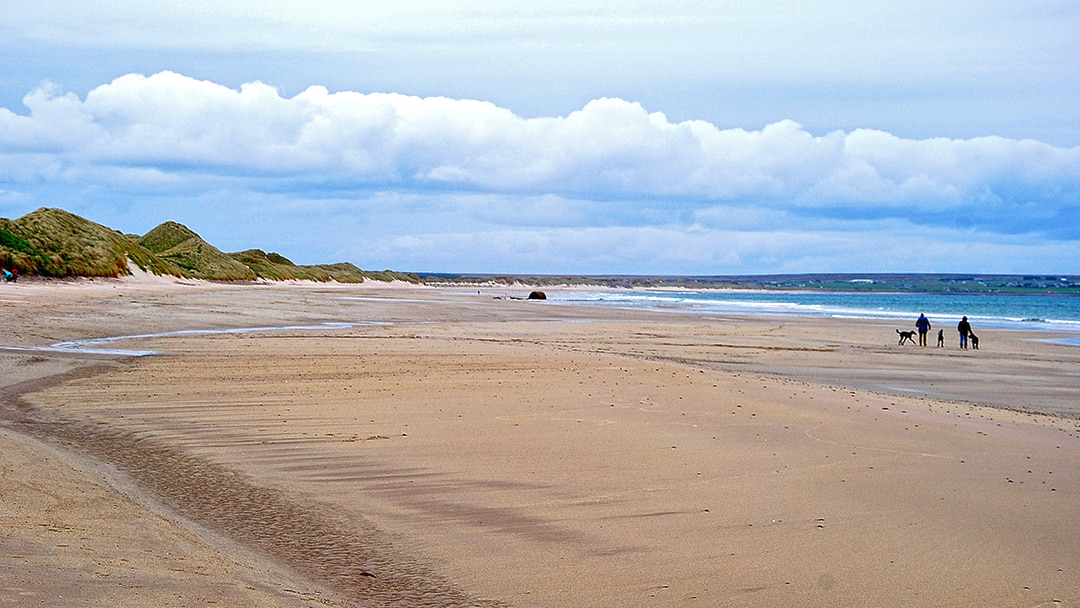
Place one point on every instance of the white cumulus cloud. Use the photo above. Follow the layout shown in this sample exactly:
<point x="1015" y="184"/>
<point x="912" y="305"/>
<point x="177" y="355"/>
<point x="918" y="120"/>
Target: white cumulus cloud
<point x="609" y="187"/>
<point x="608" y="148"/>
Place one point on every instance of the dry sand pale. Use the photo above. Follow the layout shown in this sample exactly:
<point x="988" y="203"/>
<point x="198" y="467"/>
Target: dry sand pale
<point x="454" y="450"/>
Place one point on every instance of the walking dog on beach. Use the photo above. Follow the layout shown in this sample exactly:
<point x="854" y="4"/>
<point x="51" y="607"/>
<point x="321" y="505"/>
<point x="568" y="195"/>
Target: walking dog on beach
<point x="974" y="341"/>
<point x="905" y="336"/>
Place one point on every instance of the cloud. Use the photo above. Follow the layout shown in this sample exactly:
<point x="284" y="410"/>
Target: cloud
<point x="611" y="147"/>
<point x="919" y="68"/>
<point x="609" y="187"/>
<point x="679" y="250"/>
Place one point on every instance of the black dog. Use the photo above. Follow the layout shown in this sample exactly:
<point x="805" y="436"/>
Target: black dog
<point x="906" y="335"/>
<point x="974" y="341"/>
<point x="941" y="337"/>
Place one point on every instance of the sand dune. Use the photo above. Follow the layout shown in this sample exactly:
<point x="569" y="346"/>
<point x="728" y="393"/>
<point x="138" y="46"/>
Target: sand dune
<point x="447" y="449"/>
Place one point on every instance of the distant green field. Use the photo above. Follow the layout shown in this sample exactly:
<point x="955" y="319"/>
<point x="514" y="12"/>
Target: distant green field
<point x="919" y="283"/>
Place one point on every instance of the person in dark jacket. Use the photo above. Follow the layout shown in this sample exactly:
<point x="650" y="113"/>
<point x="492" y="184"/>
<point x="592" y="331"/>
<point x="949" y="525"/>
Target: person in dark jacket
<point x="923" y="325"/>
<point x="963" y="328"/>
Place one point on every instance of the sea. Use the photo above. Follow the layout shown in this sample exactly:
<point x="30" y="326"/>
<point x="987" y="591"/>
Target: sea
<point x="1040" y="312"/>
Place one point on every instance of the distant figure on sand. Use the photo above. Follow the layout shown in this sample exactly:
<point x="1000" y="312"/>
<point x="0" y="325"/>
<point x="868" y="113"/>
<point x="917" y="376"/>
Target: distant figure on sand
<point x="941" y="337"/>
<point x="11" y="275"/>
<point x="964" y="329"/>
<point x="923" y="325"/>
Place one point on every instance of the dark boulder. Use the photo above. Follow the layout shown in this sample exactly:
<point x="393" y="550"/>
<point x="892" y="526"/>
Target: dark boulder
<point x="537" y="295"/>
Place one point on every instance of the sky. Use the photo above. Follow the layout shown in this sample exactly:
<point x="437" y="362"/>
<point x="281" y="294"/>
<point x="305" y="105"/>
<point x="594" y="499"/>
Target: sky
<point x="617" y="137"/>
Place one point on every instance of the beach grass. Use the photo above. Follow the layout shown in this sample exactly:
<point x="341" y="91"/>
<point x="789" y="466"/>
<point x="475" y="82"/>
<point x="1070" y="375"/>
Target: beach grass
<point x="56" y="243"/>
<point x="181" y="246"/>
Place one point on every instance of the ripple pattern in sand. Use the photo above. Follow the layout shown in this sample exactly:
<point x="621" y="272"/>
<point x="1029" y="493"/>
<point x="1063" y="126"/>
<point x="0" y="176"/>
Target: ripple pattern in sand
<point x="347" y="554"/>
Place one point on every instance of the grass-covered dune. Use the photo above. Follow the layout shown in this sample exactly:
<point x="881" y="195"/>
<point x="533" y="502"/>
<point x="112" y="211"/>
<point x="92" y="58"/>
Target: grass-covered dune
<point x="178" y="245"/>
<point x="56" y="243"/>
<point x="276" y="267"/>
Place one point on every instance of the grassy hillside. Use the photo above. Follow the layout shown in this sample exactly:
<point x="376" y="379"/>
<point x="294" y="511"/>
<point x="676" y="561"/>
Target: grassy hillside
<point x="345" y="272"/>
<point x="276" y="267"/>
<point x="178" y="245"/>
<point x="55" y="243"/>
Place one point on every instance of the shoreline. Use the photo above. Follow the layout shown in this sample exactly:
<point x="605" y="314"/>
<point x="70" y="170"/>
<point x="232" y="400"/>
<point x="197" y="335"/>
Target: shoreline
<point x="522" y="375"/>
<point x="797" y="310"/>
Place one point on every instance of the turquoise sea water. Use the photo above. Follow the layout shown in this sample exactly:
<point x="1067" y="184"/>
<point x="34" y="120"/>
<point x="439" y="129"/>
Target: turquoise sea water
<point x="1059" y="313"/>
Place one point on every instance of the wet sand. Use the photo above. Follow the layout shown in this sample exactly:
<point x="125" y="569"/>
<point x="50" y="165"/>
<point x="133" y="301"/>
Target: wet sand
<point x="449" y="449"/>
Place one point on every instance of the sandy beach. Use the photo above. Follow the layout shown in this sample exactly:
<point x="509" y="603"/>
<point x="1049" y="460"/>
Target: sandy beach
<point x="391" y="445"/>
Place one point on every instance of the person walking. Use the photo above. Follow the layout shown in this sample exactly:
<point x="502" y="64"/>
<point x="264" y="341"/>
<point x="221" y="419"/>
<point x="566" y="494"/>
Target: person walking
<point x="923" y="325"/>
<point x="963" y="328"/>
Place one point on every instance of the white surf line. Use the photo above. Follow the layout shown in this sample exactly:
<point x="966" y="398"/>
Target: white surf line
<point x="92" y="345"/>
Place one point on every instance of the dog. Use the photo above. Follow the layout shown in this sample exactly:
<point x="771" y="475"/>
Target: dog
<point x="905" y="336"/>
<point x="941" y="337"/>
<point x="974" y="341"/>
